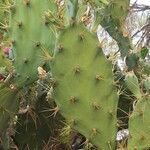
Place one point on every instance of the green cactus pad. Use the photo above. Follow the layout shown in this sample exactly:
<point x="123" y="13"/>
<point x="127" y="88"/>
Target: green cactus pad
<point x="139" y="126"/>
<point x="83" y="88"/>
<point x="32" y="36"/>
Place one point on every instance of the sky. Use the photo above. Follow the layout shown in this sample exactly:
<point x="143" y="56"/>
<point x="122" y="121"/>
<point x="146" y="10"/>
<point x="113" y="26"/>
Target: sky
<point x="145" y="2"/>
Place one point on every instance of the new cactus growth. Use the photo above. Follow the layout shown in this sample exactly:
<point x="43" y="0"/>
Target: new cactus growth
<point x="84" y="90"/>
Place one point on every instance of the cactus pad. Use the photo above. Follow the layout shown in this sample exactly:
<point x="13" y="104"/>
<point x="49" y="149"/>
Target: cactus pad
<point x="83" y="88"/>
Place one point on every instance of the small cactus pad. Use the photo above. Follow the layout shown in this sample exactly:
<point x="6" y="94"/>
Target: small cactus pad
<point x="139" y="126"/>
<point x="83" y="88"/>
<point x="32" y="37"/>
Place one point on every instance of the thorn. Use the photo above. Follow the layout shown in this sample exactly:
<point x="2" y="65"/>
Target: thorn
<point x="142" y="137"/>
<point x="73" y="122"/>
<point x="77" y="69"/>
<point x="37" y="44"/>
<point x="95" y="105"/>
<point x="95" y="131"/>
<point x="140" y="112"/>
<point x="13" y="42"/>
<point x="98" y="77"/>
<point x="109" y="144"/>
<point x="73" y="99"/>
<point x="54" y="82"/>
<point x="27" y="78"/>
<point x="135" y="148"/>
<point x="46" y="22"/>
<point x="25" y="60"/>
<point x="13" y="87"/>
<point x="27" y="2"/>
<point x="111" y="113"/>
<point x="81" y="36"/>
<point x="19" y="24"/>
<point x="55" y="111"/>
<point x="60" y="47"/>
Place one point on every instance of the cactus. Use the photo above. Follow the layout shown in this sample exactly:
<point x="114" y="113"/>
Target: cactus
<point x="83" y="89"/>
<point x="33" y="38"/>
<point x="112" y="22"/>
<point x="139" y="125"/>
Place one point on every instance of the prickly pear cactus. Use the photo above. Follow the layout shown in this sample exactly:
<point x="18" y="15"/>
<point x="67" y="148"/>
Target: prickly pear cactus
<point x="32" y="37"/>
<point x="146" y="84"/>
<point x="139" y="126"/>
<point x="139" y="119"/>
<point x="83" y="86"/>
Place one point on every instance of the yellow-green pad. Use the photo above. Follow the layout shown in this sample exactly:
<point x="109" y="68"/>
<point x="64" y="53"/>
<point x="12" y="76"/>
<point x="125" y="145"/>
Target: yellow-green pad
<point x="83" y="89"/>
<point x="139" y="126"/>
<point x="32" y="37"/>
